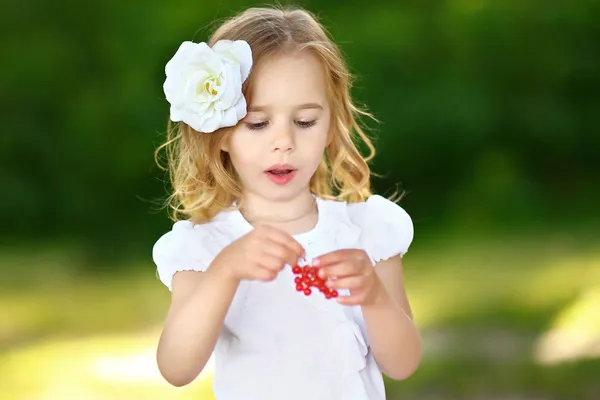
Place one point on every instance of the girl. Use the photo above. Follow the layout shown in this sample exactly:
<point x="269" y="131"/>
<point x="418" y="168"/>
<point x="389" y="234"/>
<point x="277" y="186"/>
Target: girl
<point x="285" y="266"/>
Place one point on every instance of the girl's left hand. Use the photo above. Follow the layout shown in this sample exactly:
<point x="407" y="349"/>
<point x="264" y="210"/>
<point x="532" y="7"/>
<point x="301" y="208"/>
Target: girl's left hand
<point x="349" y="269"/>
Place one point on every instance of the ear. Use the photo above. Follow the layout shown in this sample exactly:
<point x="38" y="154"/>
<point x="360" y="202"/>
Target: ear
<point x="225" y="144"/>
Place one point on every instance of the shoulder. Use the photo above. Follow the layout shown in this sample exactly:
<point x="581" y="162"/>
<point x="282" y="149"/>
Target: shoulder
<point x="380" y="209"/>
<point x="181" y="234"/>
<point x="387" y="229"/>
<point x="188" y="247"/>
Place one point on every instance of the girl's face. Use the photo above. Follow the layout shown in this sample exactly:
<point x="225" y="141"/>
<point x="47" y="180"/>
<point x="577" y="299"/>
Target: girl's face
<point x="278" y="146"/>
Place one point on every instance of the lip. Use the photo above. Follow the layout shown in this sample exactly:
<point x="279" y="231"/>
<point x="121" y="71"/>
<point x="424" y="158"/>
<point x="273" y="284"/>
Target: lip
<point x="280" y="179"/>
<point x="280" y="167"/>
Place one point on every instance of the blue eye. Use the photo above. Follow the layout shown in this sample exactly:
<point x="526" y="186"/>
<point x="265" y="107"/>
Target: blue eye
<point x="306" y="124"/>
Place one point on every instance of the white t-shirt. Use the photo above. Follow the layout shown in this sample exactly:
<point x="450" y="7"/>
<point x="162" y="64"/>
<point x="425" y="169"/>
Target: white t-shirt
<point x="277" y="343"/>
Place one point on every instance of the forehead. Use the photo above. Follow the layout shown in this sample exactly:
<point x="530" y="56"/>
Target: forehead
<point x="288" y="80"/>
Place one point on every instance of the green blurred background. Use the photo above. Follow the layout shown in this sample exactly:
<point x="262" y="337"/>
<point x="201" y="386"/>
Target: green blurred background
<point x="489" y="117"/>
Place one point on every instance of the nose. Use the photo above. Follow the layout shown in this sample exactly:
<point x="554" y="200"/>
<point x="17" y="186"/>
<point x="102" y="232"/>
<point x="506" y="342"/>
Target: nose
<point x="283" y="139"/>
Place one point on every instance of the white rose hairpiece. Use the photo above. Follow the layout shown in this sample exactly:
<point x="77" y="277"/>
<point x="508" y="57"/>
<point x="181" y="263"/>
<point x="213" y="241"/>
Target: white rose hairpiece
<point x="204" y="84"/>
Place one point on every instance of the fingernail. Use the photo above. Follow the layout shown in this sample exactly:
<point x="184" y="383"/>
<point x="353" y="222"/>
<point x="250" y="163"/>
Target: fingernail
<point x="321" y="273"/>
<point x="316" y="262"/>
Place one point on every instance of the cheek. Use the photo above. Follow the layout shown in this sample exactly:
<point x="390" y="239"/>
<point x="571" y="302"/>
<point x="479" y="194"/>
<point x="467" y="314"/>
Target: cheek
<point x="242" y="151"/>
<point x="325" y="131"/>
<point x="319" y="143"/>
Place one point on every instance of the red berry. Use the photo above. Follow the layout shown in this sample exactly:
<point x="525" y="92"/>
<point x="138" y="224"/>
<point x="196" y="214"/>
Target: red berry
<point x="307" y="278"/>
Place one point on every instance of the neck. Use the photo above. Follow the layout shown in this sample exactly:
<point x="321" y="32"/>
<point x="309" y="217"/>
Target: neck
<point x="293" y="215"/>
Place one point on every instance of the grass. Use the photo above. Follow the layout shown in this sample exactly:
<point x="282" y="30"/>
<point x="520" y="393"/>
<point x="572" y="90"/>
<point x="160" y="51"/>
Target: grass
<point x="502" y="318"/>
<point x="98" y="367"/>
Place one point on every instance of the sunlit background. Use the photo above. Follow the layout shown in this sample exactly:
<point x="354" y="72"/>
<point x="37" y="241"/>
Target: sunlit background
<point x="489" y="117"/>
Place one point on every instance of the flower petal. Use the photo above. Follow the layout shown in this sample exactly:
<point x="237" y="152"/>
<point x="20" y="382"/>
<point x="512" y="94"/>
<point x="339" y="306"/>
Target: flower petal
<point x="208" y="62"/>
<point x="176" y="114"/>
<point x="213" y="122"/>
<point x="172" y="89"/>
<point x="194" y="120"/>
<point x="241" y="108"/>
<point x="178" y="68"/>
<point x="199" y="57"/>
<point x="229" y="117"/>
<point x="180" y="57"/>
<point x="230" y="88"/>
<point x="188" y="59"/>
<point x="201" y="107"/>
<point x="194" y="90"/>
<point x="237" y="52"/>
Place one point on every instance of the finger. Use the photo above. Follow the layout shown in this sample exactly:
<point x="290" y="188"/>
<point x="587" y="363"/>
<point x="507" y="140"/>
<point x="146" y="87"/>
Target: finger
<point x="264" y="274"/>
<point x="281" y="252"/>
<point x="354" y="299"/>
<point x="335" y="257"/>
<point x="285" y="239"/>
<point x="352" y="283"/>
<point x="271" y="262"/>
<point x="341" y="269"/>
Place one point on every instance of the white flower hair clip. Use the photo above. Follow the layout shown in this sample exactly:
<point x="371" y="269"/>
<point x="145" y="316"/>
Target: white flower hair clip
<point x="204" y="84"/>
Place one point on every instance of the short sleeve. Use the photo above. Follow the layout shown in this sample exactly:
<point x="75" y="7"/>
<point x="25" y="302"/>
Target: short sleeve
<point x="387" y="229"/>
<point x="187" y="247"/>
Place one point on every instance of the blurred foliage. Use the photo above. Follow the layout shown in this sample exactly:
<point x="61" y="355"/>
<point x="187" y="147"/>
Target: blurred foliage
<point x="489" y="110"/>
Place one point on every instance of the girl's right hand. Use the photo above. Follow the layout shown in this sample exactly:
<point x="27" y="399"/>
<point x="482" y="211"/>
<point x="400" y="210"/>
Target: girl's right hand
<point x="259" y="255"/>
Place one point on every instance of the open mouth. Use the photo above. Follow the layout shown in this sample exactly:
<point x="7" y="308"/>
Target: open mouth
<point x="281" y="174"/>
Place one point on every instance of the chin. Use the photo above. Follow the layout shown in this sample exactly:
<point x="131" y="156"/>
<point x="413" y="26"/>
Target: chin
<point x="283" y="193"/>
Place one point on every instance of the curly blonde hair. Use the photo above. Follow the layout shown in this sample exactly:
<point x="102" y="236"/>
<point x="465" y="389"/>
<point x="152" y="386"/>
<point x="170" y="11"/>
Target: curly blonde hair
<point x="202" y="176"/>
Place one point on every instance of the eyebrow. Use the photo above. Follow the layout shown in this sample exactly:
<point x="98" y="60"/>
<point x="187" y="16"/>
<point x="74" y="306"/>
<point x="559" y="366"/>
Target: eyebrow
<point x="298" y="107"/>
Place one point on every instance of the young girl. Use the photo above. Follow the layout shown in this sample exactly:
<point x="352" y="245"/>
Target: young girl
<point x="284" y="265"/>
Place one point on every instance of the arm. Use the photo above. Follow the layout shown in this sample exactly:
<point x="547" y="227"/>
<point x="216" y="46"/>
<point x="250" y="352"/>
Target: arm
<point x="199" y="304"/>
<point x="394" y="338"/>
<point x="200" y="300"/>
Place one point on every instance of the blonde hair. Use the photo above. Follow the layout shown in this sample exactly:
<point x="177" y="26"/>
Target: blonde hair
<point x="202" y="175"/>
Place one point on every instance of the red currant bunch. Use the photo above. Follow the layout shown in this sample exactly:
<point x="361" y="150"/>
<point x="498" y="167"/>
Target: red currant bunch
<point x="308" y="277"/>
